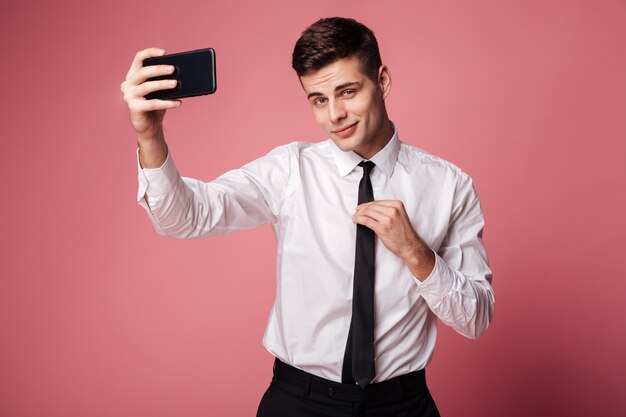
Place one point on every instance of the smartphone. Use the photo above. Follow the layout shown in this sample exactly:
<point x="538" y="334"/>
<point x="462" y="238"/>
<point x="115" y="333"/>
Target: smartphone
<point x="195" y="73"/>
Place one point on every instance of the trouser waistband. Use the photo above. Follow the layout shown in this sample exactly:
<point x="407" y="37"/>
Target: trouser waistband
<point x="300" y="382"/>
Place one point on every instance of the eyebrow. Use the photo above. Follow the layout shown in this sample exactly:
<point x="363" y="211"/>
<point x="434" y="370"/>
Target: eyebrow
<point x="339" y="87"/>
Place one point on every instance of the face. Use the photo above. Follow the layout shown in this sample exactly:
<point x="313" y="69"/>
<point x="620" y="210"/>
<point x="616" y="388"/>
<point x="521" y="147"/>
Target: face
<point x="349" y="106"/>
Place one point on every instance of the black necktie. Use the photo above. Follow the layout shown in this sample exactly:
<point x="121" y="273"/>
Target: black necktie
<point x="358" y="363"/>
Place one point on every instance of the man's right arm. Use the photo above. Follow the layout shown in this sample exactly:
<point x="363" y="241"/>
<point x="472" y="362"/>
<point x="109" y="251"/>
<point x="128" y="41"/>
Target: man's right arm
<point x="186" y="207"/>
<point x="237" y="200"/>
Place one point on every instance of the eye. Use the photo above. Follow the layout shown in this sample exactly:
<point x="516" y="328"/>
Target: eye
<point x="348" y="93"/>
<point x="319" y="101"/>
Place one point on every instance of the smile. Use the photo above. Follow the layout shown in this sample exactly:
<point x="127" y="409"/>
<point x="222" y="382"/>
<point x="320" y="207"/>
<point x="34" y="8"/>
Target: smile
<point x="345" y="131"/>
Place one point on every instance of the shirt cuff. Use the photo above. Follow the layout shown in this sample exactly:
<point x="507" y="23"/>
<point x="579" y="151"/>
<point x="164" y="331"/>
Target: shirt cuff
<point x="155" y="183"/>
<point x="438" y="284"/>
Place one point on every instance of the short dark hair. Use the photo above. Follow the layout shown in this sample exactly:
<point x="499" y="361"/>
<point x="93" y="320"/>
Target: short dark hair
<point x="334" y="38"/>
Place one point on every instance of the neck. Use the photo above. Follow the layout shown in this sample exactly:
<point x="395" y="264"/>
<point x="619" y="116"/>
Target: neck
<point x="380" y="140"/>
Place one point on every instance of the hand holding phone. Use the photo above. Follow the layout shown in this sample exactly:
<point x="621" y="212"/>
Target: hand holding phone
<point x="194" y="73"/>
<point x="142" y="93"/>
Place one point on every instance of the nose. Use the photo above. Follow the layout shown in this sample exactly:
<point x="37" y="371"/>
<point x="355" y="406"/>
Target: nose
<point x="336" y="111"/>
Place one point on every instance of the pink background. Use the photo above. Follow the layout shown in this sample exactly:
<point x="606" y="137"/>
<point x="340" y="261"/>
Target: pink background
<point x="100" y="316"/>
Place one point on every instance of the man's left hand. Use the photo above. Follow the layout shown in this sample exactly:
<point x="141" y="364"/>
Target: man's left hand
<point x="389" y="220"/>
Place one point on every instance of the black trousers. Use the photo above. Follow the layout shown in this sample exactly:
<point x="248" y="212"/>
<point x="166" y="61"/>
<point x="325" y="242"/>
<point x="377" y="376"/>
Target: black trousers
<point x="295" y="393"/>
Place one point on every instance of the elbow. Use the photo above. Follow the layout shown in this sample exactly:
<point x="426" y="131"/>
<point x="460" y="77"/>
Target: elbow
<point x="187" y="222"/>
<point x="484" y="312"/>
<point x="482" y="321"/>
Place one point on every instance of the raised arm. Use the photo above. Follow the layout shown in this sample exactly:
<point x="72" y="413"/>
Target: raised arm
<point x="186" y="207"/>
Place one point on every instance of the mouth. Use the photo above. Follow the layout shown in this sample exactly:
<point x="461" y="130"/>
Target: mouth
<point x="345" y="131"/>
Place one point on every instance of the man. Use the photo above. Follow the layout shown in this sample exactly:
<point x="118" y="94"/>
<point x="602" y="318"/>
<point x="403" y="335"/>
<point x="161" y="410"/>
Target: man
<point x="358" y="290"/>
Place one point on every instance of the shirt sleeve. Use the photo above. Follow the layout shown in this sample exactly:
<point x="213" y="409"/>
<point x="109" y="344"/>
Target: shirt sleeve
<point x="458" y="290"/>
<point x="238" y="199"/>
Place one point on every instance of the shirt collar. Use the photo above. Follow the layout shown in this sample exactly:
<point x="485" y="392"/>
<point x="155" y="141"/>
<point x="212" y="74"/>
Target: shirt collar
<point x="385" y="159"/>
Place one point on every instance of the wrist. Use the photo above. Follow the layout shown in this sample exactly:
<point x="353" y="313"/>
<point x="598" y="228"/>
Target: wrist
<point x="152" y="151"/>
<point x="421" y="262"/>
<point x="152" y="141"/>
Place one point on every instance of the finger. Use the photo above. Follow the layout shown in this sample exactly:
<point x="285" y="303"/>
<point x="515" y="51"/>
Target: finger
<point x="134" y="92"/>
<point x="393" y="208"/>
<point x="367" y="221"/>
<point x="142" y="74"/>
<point x="140" y="56"/>
<point x="151" y="86"/>
<point x="387" y="203"/>
<point x="389" y="210"/>
<point x="378" y="213"/>
<point x="154" y="104"/>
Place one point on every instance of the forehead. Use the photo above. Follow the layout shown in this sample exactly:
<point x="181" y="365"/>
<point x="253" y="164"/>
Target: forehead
<point x="342" y="71"/>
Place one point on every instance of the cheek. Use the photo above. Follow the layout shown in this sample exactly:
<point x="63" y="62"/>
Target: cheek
<point x="361" y="107"/>
<point x="320" y="117"/>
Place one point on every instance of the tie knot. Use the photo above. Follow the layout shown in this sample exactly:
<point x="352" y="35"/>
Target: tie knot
<point x="367" y="167"/>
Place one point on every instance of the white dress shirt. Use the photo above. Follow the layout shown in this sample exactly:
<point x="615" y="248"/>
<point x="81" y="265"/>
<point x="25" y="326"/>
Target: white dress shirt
<point x="308" y="192"/>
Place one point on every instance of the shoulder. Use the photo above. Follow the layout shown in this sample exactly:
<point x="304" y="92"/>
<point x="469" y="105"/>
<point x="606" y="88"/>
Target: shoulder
<point x="296" y="147"/>
<point x="416" y="158"/>
<point x="295" y="151"/>
<point x="286" y="158"/>
<point x="285" y="153"/>
<point x="302" y="147"/>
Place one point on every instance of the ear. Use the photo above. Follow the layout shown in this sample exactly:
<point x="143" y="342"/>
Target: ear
<point x="384" y="80"/>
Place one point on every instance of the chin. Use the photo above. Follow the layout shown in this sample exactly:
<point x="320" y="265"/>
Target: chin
<point x="347" y="145"/>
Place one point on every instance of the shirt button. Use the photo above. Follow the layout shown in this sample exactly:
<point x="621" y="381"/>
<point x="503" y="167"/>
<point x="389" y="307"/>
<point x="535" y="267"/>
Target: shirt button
<point x="331" y="392"/>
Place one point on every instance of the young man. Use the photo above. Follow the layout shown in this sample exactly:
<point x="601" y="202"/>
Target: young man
<point x="359" y="290"/>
